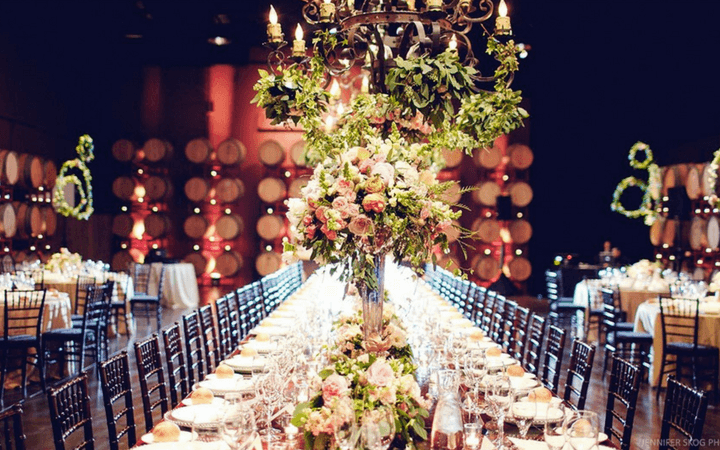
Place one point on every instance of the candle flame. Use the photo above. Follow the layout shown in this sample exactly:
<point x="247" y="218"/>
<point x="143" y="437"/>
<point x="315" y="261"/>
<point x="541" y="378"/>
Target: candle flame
<point x="273" y="15"/>
<point x="365" y="87"/>
<point x="299" y="33"/>
<point x="502" y="9"/>
<point x="335" y="89"/>
<point x="327" y="1"/>
<point x="452" y="45"/>
<point x="340" y="109"/>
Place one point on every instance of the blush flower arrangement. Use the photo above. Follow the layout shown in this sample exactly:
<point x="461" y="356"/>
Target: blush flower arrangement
<point x="378" y="199"/>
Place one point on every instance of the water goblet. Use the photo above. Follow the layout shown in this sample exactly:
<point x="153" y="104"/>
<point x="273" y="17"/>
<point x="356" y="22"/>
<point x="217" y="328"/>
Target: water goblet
<point x="554" y="427"/>
<point x="347" y="434"/>
<point x="500" y="400"/>
<point x="583" y="430"/>
<point x="524" y="412"/>
<point x="207" y="431"/>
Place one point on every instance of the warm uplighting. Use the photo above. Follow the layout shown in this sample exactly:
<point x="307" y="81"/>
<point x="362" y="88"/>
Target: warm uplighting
<point x="213" y="173"/>
<point x="227" y="248"/>
<point x="227" y="211"/>
<point x="196" y="247"/>
<point x="269" y="210"/>
<point x="288" y="174"/>
<point x="155" y="246"/>
<point x="123" y="209"/>
<point x="196" y="210"/>
<point x="268" y="248"/>
<point x="32" y="248"/>
<point x="123" y="246"/>
<point x="213" y="201"/>
<point x="487" y="252"/>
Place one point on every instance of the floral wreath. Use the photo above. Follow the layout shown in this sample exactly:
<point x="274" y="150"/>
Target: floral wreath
<point x="713" y="175"/>
<point x="645" y="204"/>
<point x="84" y="209"/>
<point x="634" y="162"/>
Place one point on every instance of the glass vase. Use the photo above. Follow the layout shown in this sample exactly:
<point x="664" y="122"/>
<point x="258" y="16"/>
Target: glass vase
<point x="372" y="301"/>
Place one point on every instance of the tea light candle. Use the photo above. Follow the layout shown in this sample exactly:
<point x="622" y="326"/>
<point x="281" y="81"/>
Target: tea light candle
<point x="274" y="29"/>
<point x="472" y="435"/>
<point x="298" y="43"/>
<point x="327" y="11"/>
<point x="502" y="22"/>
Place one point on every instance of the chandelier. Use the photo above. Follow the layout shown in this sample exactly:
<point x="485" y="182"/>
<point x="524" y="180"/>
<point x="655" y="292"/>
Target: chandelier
<point x="373" y="33"/>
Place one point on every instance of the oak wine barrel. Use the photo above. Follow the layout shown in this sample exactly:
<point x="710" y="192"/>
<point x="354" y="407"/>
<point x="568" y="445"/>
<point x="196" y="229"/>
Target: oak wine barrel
<point x="8" y="220"/>
<point x="518" y="268"/>
<point x="271" y="153"/>
<point x="674" y="229"/>
<point x="453" y="233"/>
<point x="156" y="150"/>
<point x="231" y="152"/>
<point x="713" y="233"/>
<point x="487" y="158"/>
<point x="229" y="226"/>
<point x="449" y="262"/>
<point x="198" y="150"/>
<point x="487" y="230"/>
<point x="452" y="158"/>
<point x="199" y="262"/>
<point x="486" y="267"/>
<point x="49" y="220"/>
<point x="122" y="225"/>
<point x="674" y="176"/>
<point x="698" y="233"/>
<point x="296" y="185"/>
<point x="693" y="182"/>
<point x="31" y="171"/>
<point x="29" y="220"/>
<point x="197" y="189"/>
<point x="452" y="195"/>
<point x="157" y="224"/>
<point x="706" y="181"/>
<point x="228" y="263"/>
<point x="123" y="259"/>
<point x="50" y="173"/>
<point x="9" y="167"/>
<point x="520" y="156"/>
<point x="158" y="188"/>
<point x="520" y="231"/>
<point x="123" y="150"/>
<point x="229" y="190"/>
<point x="521" y="194"/>
<point x="656" y="231"/>
<point x="270" y="227"/>
<point x="486" y="193"/>
<point x="124" y="187"/>
<point x="272" y="190"/>
<point x="195" y="226"/>
<point x="268" y="262"/>
<point x="297" y="154"/>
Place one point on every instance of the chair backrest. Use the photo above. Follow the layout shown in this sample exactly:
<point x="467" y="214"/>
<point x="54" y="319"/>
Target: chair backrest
<point x="522" y="320"/>
<point x="209" y="335"/>
<point x="533" y="344"/>
<point x="222" y="310"/>
<point x="553" y="285"/>
<point x="477" y="301"/>
<point x="488" y="311"/>
<point x="579" y="372"/>
<point x="141" y="278"/>
<point x="679" y="320"/>
<point x="161" y="283"/>
<point x="622" y="399"/>
<point x="234" y="319"/>
<point x="194" y="351"/>
<point x="496" y="327"/>
<point x="684" y="416"/>
<point x="83" y="282"/>
<point x="176" y="364"/>
<point x="152" y="379"/>
<point x="70" y="413"/>
<point x="508" y="338"/>
<point x="8" y="263"/>
<point x="23" y="313"/>
<point x="117" y="389"/>
<point x="555" y="346"/>
<point x="12" y="436"/>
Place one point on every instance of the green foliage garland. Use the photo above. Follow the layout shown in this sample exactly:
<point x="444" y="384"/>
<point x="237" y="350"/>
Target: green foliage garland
<point x="645" y="204"/>
<point x="650" y="189"/>
<point x="84" y="208"/>
<point x="632" y="156"/>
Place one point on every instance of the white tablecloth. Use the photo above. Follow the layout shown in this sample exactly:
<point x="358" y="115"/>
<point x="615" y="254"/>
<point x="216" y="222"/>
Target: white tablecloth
<point x="180" y="289"/>
<point x="57" y="312"/>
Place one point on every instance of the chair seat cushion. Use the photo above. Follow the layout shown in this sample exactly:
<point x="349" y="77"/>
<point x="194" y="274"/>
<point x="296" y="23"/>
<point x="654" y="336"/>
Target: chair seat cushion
<point x="634" y="336"/>
<point x="22" y="340"/>
<point x="117" y="305"/>
<point x="687" y="348"/>
<point x="144" y="298"/>
<point x="624" y="326"/>
<point x="62" y="333"/>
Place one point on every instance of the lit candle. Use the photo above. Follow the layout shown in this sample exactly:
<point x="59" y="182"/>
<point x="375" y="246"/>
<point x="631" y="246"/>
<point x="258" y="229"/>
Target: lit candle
<point x="351" y="5"/>
<point x="298" y="43"/>
<point x="335" y="89"/>
<point x="434" y="5"/>
<point x="327" y="11"/>
<point x="291" y="430"/>
<point x="452" y="45"/>
<point x="411" y="5"/>
<point x="274" y="29"/>
<point x="365" y="86"/>
<point x="502" y="22"/>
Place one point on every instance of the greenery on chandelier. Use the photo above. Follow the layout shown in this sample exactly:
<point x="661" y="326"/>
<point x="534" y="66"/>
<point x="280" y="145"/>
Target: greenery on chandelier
<point x="71" y="173"/>
<point x="649" y="189"/>
<point x="429" y="99"/>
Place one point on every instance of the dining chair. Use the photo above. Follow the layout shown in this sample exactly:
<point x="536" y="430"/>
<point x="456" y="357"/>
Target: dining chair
<point x="234" y="320"/>
<point x="683" y="417"/>
<point x="563" y="310"/>
<point x="38" y="277"/>
<point x="22" y="335"/>
<point x="577" y="382"/>
<point x="222" y="316"/>
<point x="118" y="400"/>
<point x="12" y="436"/>
<point x="680" y="320"/>
<point x="81" y="290"/>
<point x="508" y="336"/>
<point x="470" y="299"/>
<point x="594" y="312"/>
<point x="176" y="364"/>
<point x="118" y="306"/>
<point x="631" y="345"/>
<point x="533" y="344"/>
<point x="152" y="379"/>
<point x="194" y="348"/>
<point x="70" y="413"/>
<point x="522" y="319"/>
<point x="478" y="305"/>
<point x="144" y="304"/>
<point x="209" y="337"/>
<point x="487" y="314"/>
<point x="553" y="357"/>
<point x="498" y="323"/>
<point x="621" y="402"/>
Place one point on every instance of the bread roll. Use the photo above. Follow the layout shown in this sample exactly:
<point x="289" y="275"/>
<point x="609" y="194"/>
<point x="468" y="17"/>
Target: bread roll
<point x="493" y="352"/>
<point x="201" y="396"/>
<point x="248" y="352"/>
<point x="515" y="371"/>
<point x="540" y="395"/>
<point x="477" y="335"/>
<point x="224" y="371"/>
<point x="262" y="337"/>
<point x="166" y="431"/>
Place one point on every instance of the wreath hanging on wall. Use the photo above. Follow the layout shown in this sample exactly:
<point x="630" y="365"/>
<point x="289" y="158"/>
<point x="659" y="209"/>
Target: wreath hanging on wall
<point x="77" y="173"/>
<point x="650" y="189"/>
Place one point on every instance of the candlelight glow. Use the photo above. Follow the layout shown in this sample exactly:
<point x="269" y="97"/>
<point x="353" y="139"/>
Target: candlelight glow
<point x="502" y="9"/>
<point x="335" y="89"/>
<point x="299" y="33"/>
<point x="365" y="87"/>
<point x="273" y="15"/>
<point x="453" y="43"/>
<point x="327" y="1"/>
<point x="340" y="109"/>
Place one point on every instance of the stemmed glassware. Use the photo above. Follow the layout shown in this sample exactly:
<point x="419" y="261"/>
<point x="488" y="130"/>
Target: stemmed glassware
<point x="266" y="388"/>
<point x="377" y="429"/>
<point x="555" y="432"/>
<point x="474" y="372"/>
<point x="238" y="422"/>
<point x="347" y="434"/>
<point x="500" y="400"/>
<point x="583" y="429"/>
<point x="524" y="412"/>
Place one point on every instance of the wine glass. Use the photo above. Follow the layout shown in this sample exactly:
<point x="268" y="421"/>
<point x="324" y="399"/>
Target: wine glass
<point x="554" y="428"/>
<point x="524" y="412"/>
<point x="377" y="429"/>
<point x="238" y="424"/>
<point x="347" y="434"/>
<point x="500" y="400"/>
<point x="207" y="431"/>
<point x="583" y="429"/>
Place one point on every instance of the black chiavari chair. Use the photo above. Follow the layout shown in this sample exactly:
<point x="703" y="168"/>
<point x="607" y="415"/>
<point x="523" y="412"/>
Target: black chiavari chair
<point x="222" y="310"/>
<point x="552" y="365"/>
<point x="577" y="382"/>
<point x="522" y="320"/>
<point x="176" y="364"/>
<point x="533" y="344"/>
<point x="621" y="402"/>
<point x="118" y="400"/>
<point x="684" y="416"/>
<point x="508" y="337"/>
<point x="209" y="337"/>
<point x="194" y="348"/>
<point x="152" y="379"/>
<point x="70" y="413"/>
<point x="145" y="304"/>
<point x="12" y="436"/>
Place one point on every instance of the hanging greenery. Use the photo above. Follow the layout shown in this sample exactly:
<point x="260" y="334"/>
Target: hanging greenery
<point x="713" y="176"/>
<point x="71" y="173"/>
<point x="650" y="189"/>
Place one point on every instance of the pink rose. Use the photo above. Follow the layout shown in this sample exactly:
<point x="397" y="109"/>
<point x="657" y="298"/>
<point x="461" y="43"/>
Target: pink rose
<point x="366" y="165"/>
<point x="331" y="234"/>
<point x="374" y="202"/>
<point x="307" y="220"/>
<point x="380" y="373"/>
<point x="310" y="231"/>
<point x="374" y="185"/>
<point x="361" y="225"/>
<point x="386" y="171"/>
<point x="353" y="210"/>
<point x="424" y="213"/>
<point x="333" y="386"/>
<point x="344" y="188"/>
<point x="444" y="225"/>
<point x="341" y="205"/>
<point x="320" y="214"/>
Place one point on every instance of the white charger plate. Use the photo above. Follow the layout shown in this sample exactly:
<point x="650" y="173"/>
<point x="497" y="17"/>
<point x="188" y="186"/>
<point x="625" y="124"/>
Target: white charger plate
<point x="187" y="415"/>
<point x="188" y="446"/>
<point x="223" y="386"/>
<point x="216" y="401"/>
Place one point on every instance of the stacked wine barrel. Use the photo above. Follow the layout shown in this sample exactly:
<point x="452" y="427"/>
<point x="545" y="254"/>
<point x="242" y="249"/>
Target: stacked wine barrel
<point x="214" y="224"/>
<point x="27" y="218"/>
<point x="144" y="191"/>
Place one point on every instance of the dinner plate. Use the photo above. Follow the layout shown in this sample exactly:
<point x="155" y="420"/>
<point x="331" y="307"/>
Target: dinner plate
<point x="213" y="376"/>
<point x="226" y="385"/>
<point x="262" y="346"/>
<point x="245" y="363"/>
<point x="216" y="401"/>
<point x="523" y="383"/>
<point x="272" y="331"/>
<point x="188" y="446"/>
<point x="187" y="415"/>
<point x="149" y="438"/>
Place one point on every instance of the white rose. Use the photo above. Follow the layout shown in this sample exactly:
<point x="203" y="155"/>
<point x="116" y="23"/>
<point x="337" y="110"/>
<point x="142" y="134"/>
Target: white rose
<point x="386" y="172"/>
